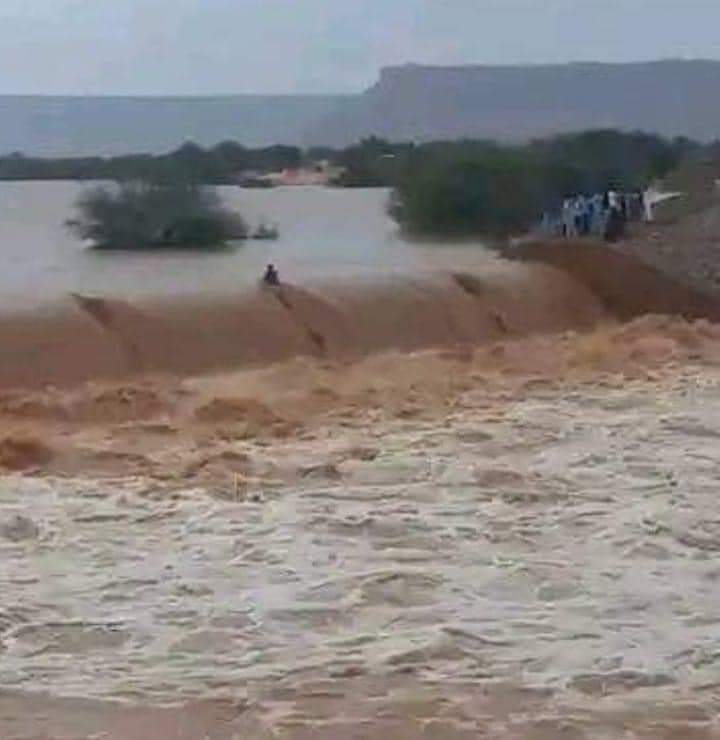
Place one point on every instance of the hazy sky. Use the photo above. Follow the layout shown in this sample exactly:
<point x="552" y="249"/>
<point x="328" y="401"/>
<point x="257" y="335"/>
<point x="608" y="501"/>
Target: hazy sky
<point x="275" y="46"/>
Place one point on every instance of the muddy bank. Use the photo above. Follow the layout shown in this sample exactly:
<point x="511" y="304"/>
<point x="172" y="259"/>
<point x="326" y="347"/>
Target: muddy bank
<point x="626" y="285"/>
<point x="685" y="241"/>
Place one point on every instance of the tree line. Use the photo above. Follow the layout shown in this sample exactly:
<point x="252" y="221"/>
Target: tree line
<point x="460" y="188"/>
<point x="190" y="163"/>
<point x="481" y="188"/>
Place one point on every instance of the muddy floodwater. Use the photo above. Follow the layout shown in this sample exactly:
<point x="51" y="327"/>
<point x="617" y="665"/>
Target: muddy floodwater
<point x="323" y="231"/>
<point x="553" y="551"/>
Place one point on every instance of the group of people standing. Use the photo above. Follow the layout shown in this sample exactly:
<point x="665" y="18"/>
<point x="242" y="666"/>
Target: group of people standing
<point x="603" y="214"/>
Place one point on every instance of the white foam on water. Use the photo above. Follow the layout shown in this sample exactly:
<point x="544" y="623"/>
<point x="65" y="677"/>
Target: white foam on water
<point x="572" y="546"/>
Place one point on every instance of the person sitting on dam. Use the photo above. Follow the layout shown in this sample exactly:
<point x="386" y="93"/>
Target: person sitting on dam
<point x="271" y="276"/>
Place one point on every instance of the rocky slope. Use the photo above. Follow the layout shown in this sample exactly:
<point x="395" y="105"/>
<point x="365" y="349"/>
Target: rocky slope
<point x="415" y="102"/>
<point x="410" y="102"/>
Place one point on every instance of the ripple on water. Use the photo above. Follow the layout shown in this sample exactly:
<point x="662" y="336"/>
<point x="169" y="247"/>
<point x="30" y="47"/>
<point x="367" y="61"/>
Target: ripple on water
<point x="549" y="551"/>
<point x="69" y="638"/>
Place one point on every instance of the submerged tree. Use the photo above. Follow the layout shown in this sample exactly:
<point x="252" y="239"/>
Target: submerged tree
<point x="142" y="215"/>
<point x="491" y="192"/>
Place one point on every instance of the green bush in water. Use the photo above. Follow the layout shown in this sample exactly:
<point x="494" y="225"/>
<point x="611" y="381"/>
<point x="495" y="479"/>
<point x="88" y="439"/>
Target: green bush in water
<point x="141" y="215"/>
<point x="493" y="193"/>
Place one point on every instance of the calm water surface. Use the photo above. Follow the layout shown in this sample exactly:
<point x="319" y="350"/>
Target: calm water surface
<point x="323" y="232"/>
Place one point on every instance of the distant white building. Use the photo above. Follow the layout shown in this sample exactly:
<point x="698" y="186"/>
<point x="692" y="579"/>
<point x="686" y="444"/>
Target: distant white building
<point x="320" y="173"/>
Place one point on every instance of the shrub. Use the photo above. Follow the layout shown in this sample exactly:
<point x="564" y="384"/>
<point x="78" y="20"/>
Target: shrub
<point x="142" y="215"/>
<point x="494" y="193"/>
<point x="475" y="188"/>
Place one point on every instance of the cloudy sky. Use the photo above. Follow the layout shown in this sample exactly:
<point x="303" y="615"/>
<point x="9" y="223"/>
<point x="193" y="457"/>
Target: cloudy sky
<point x="278" y="46"/>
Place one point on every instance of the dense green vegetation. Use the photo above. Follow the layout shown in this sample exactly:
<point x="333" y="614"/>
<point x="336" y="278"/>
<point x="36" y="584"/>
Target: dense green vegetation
<point x="141" y="215"/>
<point x="476" y="188"/>
<point x="580" y="160"/>
<point x="448" y="188"/>
<point x="190" y="163"/>
<point x="468" y="189"/>
<point x="371" y="163"/>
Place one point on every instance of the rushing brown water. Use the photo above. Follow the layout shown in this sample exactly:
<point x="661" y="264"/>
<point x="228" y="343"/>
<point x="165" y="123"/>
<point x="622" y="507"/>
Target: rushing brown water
<point x="512" y="537"/>
<point x="498" y="546"/>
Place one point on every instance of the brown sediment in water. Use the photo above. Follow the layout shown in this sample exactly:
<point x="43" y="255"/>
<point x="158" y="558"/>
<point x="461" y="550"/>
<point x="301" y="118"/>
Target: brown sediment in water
<point x="23" y="453"/>
<point x="178" y="429"/>
<point x="401" y="530"/>
<point x="548" y="288"/>
<point x="101" y="338"/>
<point x="162" y="389"/>
<point x="401" y="707"/>
<point x="441" y="521"/>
